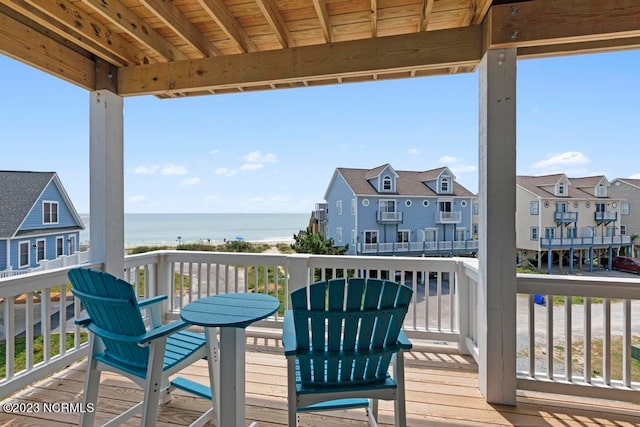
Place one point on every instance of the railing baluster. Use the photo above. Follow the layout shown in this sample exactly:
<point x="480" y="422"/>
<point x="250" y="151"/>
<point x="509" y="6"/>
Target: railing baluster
<point x="587" y="340"/>
<point x="439" y="301"/>
<point x="568" y="341"/>
<point x="10" y="336"/>
<point x="45" y="323"/>
<point x="28" y="323"/>
<point x="452" y="291"/>
<point x="626" y="343"/>
<point x="550" y="337"/>
<point x="606" y="342"/>
<point x="532" y="336"/>
<point x="62" y="316"/>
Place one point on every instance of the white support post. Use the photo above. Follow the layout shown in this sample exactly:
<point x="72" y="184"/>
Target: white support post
<point x="497" y="235"/>
<point x="107" y="181"/>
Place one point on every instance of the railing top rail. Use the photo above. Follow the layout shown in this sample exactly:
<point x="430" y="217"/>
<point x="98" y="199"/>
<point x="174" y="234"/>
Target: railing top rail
<point x="586" y="286"/>
<point x="18" y="285"/>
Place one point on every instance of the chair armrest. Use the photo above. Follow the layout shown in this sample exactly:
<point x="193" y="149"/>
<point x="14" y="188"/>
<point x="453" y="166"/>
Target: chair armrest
<point x="289" y="341"/>
<point x="152" y="300"/>
<point x="404" y="342"/>
<point x="83" y="321"/>
<point x="142" y="339"/>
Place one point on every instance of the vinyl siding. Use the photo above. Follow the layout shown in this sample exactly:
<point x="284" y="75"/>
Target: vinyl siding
<point x="34" y="219"/>
<point x="340" y="191"/>
<point x="631" y="195"/>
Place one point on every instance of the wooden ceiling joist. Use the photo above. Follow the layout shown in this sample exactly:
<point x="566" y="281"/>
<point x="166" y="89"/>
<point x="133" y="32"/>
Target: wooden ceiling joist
<point x="425" y="13"/>
<point x="130" y="23"/>
<point x="67" y="14"/>
<point x="374" y="18"/>
<point x="435" y="49"/>
<point x="228" y="24"/>
<point x="323" y="15"/>
<point x="481" y="9"/>
<point x="273" y="16"/>
<point x="167" y="12"/>
<point x="25" y="44"/>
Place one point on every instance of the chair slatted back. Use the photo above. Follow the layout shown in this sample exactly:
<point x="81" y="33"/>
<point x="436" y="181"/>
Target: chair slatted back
<point x="347" y="331"/>
<point x="112" y="306"/>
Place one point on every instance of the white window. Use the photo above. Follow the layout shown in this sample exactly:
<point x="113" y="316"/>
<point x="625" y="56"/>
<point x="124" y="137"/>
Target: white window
<point x="40" y="252"/>
<point x="624" y="208"/>
<point x="475" y="208"/>
<point x="463" y="203"/>
<point x="425" y="203"/>
<point x="430" y="234"/>
<point x="461" y="234"/>
<point x="561" y="207"/>
<point x="353" y="206"/>
<point x="623" y="230"/>
<point x="561" y="189"/>
<point x="534" y="233"/>
<point x="534" y="207"/>
<point x="601" y="207"/>
<point x="386" y="183"/>
<point x="339" y="207"/>
<point x="354" y="237"/>
<point x="572" y="233"/>
<point x="550" y="233"/>
<point x="49" y="212"/>
<point x="339" y="234"/>
<point x="403" y="236"/>
<point x="601" y="191"/>
<point x="59" y="246"/>
<point x="445" y="186"/>
<point x="72" y="245"/>
<point x="475" y="228"/>
<point x="407" y="203"/>
<point x="387" y="206"/>
<point x="610" y="231"/>
<point x="23" y="254"/>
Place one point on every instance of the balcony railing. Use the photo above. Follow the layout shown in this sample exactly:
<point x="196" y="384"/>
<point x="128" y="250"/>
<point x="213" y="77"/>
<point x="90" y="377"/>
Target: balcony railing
<point x="584" y="242"/>
<point x="384" y="217"/>
<point x="428" y="248"/>
<point x="606" y="216"/>
<point x="445" y="307"/>
<point x="566" y="216"/>
<point x="449" y="217"/>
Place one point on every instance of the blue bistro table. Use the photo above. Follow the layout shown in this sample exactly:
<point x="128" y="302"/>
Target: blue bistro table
<point x="232" y="313"/>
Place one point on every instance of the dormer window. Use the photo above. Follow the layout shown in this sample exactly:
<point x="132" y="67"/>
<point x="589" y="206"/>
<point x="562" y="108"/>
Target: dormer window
<point x="445" y="184"/>
<point x="386" y="183"/>
<point x="50" y="212"/>
<point x="561" y="189"/>
<point x="600" y="191"/>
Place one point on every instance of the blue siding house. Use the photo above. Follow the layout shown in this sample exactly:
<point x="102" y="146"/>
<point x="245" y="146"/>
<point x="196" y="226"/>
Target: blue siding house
<point x="37" y="220"/>
<point x="384" y="211"/>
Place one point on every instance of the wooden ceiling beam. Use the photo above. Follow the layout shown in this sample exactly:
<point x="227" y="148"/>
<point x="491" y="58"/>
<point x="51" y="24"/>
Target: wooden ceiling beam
<point x="323" y="15"/>
<point x="72" y="37"/>
<point x="578" y="48"/>
<point x="27" y="45"/>
<point x="433" y="49"/>
<point x="425" y="14"/>
<point x="273" y="16"/>
<point x="374" y="18"/>
<point x="167" y="12"/>
<point x="77" y="20"/>
<point x="228" y="24"/>
<point x="549" y="22"/>
<point x="122" y="17"/>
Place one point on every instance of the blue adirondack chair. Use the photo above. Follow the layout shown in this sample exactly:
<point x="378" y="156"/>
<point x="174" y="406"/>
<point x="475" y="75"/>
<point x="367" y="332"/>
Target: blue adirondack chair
<point x="120" y="342"/>
<point x="339" y="339"/>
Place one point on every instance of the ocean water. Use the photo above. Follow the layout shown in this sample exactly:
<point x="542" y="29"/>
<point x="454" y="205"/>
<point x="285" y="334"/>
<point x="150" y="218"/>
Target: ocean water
<point x="148" y="229"/>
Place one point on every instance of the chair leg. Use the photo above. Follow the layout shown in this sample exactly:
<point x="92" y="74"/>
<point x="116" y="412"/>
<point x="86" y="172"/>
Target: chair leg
<point x="372" y="412"/>
<point x="153" y="387"/>
<point x="91" y="384"/>
<point x="398" y="375"/>
<point x="292" y="394"/>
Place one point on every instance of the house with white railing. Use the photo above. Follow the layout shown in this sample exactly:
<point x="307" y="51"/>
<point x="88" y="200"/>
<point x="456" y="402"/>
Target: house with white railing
<point x="38" y="222"/>
<point x="628" y="190"/>
<point x="559" y="217"/>
<point x="383" y="211"/>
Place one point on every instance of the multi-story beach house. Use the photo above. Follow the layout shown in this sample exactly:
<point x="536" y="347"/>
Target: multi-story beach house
<point x="38" y="222"/>
<point x="568" y="221"/>
<point x="384" y="211"/>
<point x="628" y="190"/>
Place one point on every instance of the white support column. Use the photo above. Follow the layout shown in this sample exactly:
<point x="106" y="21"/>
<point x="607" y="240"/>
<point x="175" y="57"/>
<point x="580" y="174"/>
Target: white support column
<point x="497" y="235"/>
<point x="107" y="181"/>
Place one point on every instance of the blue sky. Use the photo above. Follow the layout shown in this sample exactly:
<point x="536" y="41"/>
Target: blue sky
<point x="275" y="151"/>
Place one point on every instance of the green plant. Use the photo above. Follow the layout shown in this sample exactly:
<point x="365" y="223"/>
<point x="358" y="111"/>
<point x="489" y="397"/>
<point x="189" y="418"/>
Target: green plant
<point x="308" y="242"/>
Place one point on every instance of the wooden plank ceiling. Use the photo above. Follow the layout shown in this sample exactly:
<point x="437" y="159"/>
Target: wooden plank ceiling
<point x="194" y="47"/>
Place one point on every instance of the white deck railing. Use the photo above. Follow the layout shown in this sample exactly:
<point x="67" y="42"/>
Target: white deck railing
<point x="444" y="308"/>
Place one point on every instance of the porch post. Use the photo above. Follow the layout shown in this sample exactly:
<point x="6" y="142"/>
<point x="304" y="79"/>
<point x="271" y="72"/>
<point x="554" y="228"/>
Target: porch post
<point x="497" y="235"/>
<point x="106" y="181"/>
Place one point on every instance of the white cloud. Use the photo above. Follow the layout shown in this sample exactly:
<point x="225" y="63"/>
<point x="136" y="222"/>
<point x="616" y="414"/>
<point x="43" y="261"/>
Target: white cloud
<point x="225" y="171"/>
<point x="191" y="181"/>
<point x="413" y="151"/>
<point x="635" y="176"/>
<point x="251" y="166"/>
<point x="171" y="169"/>
<point x="256" y="199"/>
<point x="137" y="199"/>
<point x="146" y="170"/>
<point x="448" y="159"/>
<point x="258" y="157"/>
<point x="569" y="158"/>
<point x="214" y="152"/>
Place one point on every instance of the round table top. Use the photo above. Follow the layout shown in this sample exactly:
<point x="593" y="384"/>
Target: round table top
<point x="236" y="310"/>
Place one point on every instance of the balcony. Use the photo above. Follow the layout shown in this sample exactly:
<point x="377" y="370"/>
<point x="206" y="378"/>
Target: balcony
<point x="448" y="217"/>
<point x="445" y="247"/>
<point x="384" y="217"/>
<point x="584" y="242"/>
<point x="565" y="217"/>
<point x="444" y="310"/>
<point x="605" y="216"/>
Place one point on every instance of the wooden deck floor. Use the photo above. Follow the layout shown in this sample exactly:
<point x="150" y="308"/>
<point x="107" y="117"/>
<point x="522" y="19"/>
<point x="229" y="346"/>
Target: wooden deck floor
<point x="442" y="389"/>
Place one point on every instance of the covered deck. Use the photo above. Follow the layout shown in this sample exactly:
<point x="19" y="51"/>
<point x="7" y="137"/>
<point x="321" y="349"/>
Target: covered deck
<point x="172" y="49"/>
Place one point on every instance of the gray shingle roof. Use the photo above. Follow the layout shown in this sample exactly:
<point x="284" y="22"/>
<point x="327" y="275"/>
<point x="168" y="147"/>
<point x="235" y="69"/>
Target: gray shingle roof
<point x="408" y="183"/>
<point x="543" y="186"/>
<point x="19" y="191"/>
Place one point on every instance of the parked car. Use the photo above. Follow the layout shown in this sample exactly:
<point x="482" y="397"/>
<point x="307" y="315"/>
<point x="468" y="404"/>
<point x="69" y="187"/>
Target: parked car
<point x="625" y="263"/>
